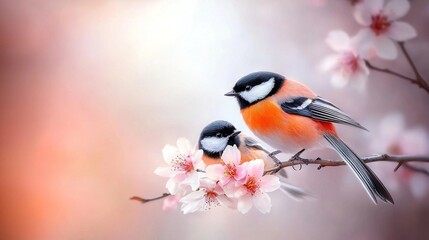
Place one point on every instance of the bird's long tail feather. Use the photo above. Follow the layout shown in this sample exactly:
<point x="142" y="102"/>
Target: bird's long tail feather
<point x="369" y="180"/>
<point x="294" y="192"/>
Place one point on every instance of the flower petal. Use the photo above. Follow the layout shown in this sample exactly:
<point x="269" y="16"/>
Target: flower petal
<point x="237" y="155"/>
<point x="169" y="152"/>
<point x="226" y="201"/>
<point x="170" y="202"/>
<point x="401" y="31"/>
<point x="224" y="180"/>
<point x="362" y="67"/>
<point x="192" y="206"/>
<point x="165" y="172"/>
<point x="359" y="80"/>
<point x="231" y="154"/>
<point x="255" y="168"/>
<point x="240" y="173"/>
<point x="339" y="80"/>
<point x="244" y="203"/>
<point x="385" y="48"/>
<point x="330" y="63"/>
<point x="172" y="184"/>
<point x="362" y="14"/>
<point x="262" y="202"/>
<point x="338" y="40"/>
<point x="193" y="196"/>
<point x="215" y="171"/>
<point x="232" y="190"/>
<point x="395" y="9"/>
<point x="269" y="183"/>
<point x="374" y="6"/>
<point x="184" y="146"/>
<point x="197" y="160"/>
<point x="192" y="179"/>
<point x="207" y="183"/>
<point x="363" y="43"/>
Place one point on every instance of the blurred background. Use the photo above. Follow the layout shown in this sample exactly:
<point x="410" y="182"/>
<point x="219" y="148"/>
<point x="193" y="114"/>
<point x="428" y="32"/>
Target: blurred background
<point x="91" y="91"/>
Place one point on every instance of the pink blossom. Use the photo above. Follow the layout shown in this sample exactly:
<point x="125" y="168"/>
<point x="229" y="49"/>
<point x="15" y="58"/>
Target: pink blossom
<point x="182" y="164"/>
<point x="348" y="64"/>
<point x="393" y="137"/>
<point x="209" y="195"/>
<point x="254" y="189"/>
<point x="170" y="202"/>
<point x="381" y="26"/>
<point x="230" y="171"/>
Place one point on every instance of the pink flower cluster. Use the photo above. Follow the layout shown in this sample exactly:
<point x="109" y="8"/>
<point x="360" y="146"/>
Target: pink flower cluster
<point x="231" y="184"/>
<point x="381" y="29"/>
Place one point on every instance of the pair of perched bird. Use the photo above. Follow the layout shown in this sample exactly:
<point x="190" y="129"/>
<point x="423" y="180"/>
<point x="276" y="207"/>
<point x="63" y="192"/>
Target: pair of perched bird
<point x="289" y="117"/>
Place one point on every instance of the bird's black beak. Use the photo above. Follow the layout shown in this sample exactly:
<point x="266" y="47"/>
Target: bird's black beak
<point x="231" y="94"/>
<point x="235" y="134"/>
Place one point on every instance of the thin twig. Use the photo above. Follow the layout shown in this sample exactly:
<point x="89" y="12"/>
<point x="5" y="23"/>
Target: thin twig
<point x="418" y="80"/>
<point x="146" y="200"/>
<point x="388" y="71"/>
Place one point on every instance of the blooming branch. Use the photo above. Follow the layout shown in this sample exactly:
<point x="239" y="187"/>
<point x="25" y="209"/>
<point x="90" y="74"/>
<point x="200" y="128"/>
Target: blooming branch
<point x="382" y="28"/>
<point x="296" y="160"/>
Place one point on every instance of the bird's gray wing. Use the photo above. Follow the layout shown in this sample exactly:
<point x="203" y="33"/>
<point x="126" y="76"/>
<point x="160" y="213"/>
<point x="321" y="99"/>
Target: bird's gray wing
<point x="318" y="109"/>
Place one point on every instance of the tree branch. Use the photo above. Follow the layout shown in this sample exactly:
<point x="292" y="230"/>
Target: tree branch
<point x="398" y="159"/>
<point x="388" y="71"/>
<point x="418" y="80"/>
<point x="295" y="160"/>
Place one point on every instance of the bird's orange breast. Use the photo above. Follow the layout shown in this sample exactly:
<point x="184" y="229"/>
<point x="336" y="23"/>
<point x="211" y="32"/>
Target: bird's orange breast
<point x="267" y="120"/>
<point x="209" y="161"/>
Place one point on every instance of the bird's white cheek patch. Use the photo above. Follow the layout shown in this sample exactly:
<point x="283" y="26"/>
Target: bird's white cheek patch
<point x="258" y="92"/>
<point x="214" y="144"/>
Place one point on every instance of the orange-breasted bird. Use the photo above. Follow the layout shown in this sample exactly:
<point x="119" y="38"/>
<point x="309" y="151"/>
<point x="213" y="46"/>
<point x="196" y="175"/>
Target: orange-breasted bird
<point x="216" y="136"/>
<point x="289" y="116"/>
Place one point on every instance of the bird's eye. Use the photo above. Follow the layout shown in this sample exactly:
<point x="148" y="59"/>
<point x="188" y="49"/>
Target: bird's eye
<point x="248" y="87"/>
<point x="218" y="135"/>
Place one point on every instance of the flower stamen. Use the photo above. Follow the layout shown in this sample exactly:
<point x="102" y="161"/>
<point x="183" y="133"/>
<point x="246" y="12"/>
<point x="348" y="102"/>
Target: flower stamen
<point x="251" y="185"/>
<point x="380" y="24"/>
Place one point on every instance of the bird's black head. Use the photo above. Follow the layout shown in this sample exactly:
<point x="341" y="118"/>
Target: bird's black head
<point x="216" y="136"/>
<point x="255" y="87"/>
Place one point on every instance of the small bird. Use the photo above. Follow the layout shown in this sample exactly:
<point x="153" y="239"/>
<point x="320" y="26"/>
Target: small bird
<point x="289" y="117"/>
<point x="216" y="136"/>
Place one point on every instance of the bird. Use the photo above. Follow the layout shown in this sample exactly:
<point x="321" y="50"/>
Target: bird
<point x="289" y="116"/>
<point x="217" y="135"/>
